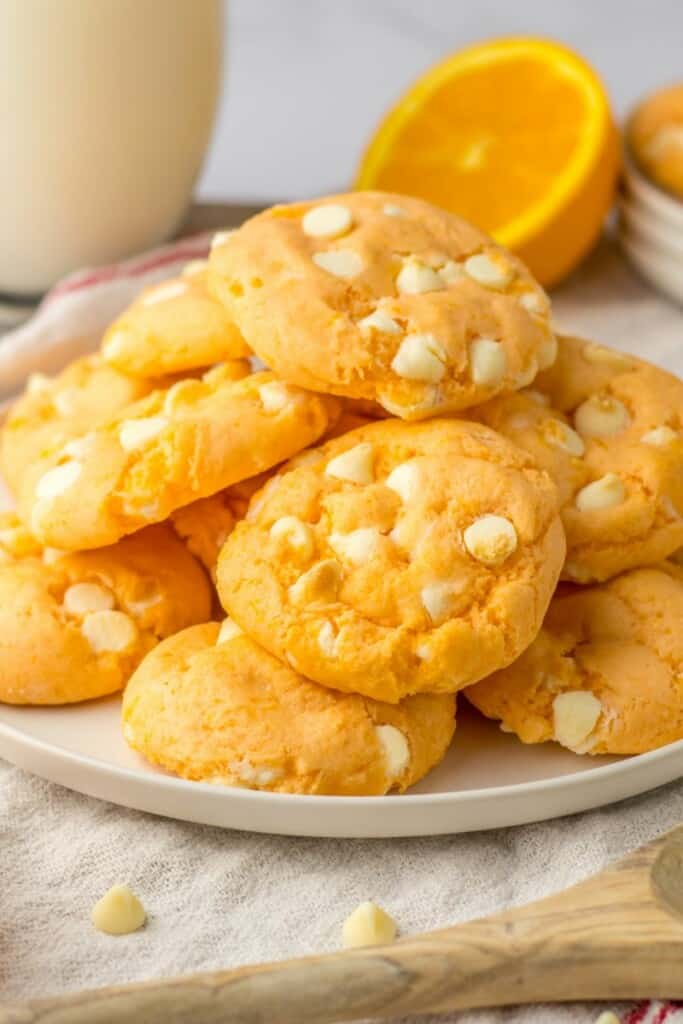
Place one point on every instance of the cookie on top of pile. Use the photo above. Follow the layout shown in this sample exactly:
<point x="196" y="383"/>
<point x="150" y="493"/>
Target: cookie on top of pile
<point x="375" y="522"/>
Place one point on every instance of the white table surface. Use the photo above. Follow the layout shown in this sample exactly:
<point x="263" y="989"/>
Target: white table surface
<point x="307" y="80"/>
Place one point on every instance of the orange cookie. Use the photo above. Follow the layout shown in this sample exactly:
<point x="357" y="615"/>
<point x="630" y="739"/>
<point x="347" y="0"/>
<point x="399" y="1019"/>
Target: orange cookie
<point x="605" y="674"/>
<point x="173" y="327"/>
<point x="384" y="298"/>
<point x="655" y="137"/>
<point x="209" y="704"/>
<point x="398" y="558"/>
<point x="168" y="450"/>
<point x="74" y="626"/>
<point x="609" y="429"/>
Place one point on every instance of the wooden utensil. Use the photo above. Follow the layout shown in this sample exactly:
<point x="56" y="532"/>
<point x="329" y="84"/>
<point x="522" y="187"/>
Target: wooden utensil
<point x="618" y="935"/>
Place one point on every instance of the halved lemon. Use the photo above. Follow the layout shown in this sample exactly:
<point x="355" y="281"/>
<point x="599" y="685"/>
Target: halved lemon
<point x="515" y="135"/>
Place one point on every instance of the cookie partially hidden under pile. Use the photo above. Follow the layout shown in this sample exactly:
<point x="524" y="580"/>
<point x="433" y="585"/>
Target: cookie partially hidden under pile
<point x="383" y="513"/>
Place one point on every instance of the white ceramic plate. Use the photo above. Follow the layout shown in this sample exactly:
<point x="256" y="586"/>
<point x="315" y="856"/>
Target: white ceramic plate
<point x="488" y="780"/>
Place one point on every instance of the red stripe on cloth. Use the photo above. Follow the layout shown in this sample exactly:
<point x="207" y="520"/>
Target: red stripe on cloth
<point x="664" y="1013"/>
<point x="189" y="250"/>
<point x="637" y="1015"/>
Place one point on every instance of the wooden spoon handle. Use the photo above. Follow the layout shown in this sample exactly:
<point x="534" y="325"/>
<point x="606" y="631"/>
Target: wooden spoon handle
<point x="495" y="962"/>
<point x="617" y="936"/>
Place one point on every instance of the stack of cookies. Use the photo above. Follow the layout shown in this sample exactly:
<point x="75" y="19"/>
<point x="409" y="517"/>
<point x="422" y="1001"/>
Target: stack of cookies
<point x="293" y="571"/>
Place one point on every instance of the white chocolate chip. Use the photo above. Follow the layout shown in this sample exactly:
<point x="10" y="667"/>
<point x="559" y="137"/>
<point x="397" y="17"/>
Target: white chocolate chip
<point x="666" y="140"/>
<point x="608" y="1017"/>
<point x="37" y="383"/>
<point x="605" y="492"/>
<point x="328" y="221"/>
<point x="109" y="631"/>
<point x="575" y="715"/>
<point x="228" y="631"/>
<point x="66" y="401"/>
<point x="137" y="433"/>
<point x="600" y="355"/>
<point x="547" y="353"/>
<point x="423" y="650"/>
<point x="295" y="533"/>
<point x="250" y="775"/>
<point x="182" y="393"/>
<point x="420" y="357"/>
<point x="395" y="748"/>
<point x="668" y="507"/>
<point x="392" y="210"/>
<point x="601" y="416"/>
<point x="116" y="344"/>
<point x="416" y="278"/>
<point x="379" y="321"/>
<point x="118" y="912"/>
<point x="557" y="433"/>
<point x="401" y="535"/>
<point x="274" y="396"/>
<point x="355" y="465"/>
<point x="451" y="272"/>
<point x="58" y="480"/>
<point x="413" y="409"/>
<point x="344" y="263"/>
<point x="80" y="447"/>
<point x="488" y="361"/>
<point x="536" y="396"/>
<point x="488" y="270"/>
<point x="405" y="480"/>
<point x="261" y="497"/>
<point x="82" y="598"/>
<point x="327" y="638"/>
<point x="358" y="546"/>
<point x="52" y="555"/>
<point x="438" y="599"/>
<point x="368" y="925"/>
<point x="577" y="573"/>
<point x="534" y="302"/>
<point x="518" y="421"/>
<point x="526" y="376"/>
<point x="308" y="457"/>
<point x="146" y="594"/>
<point x="194" y="267"/>
<point x="10" y="536"/>
<point x="164" y="292"/>
<point x="320" y="583"/>
<point x="660" y="437"/>
<point x="220" y="238"/>
<point x="490" y="539"/>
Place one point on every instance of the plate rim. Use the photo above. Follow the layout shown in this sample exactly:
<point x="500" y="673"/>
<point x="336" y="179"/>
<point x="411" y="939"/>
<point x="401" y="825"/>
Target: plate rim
<point x="628" y="765"/>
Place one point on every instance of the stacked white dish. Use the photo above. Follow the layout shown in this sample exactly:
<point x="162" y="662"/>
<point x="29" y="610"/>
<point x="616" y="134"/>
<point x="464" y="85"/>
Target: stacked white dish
<point x="651" y="231"/>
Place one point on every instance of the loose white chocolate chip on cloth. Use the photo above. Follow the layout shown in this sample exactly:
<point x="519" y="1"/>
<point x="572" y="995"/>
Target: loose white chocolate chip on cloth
<point x="261" y="897"/>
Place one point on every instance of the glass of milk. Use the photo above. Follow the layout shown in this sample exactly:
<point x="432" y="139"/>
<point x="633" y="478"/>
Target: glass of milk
<point x="106" y="110"/>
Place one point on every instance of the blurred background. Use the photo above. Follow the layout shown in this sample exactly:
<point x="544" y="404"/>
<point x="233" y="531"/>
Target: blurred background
<point x="306" y="81"/>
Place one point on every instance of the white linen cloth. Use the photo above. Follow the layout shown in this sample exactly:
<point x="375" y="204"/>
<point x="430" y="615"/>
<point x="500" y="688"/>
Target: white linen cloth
<point x="219" y="898"/>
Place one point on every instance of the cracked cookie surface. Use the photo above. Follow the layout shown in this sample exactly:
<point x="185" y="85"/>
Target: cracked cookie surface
<point x="398" y="558"/>
<point x="605" y="674"/>
<point x="609" y="429"/>
<point x="167" y="450"/>
<point x="210" y="705"/>
<point x="384" y="298"/>
<point x="54" y="410"/>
